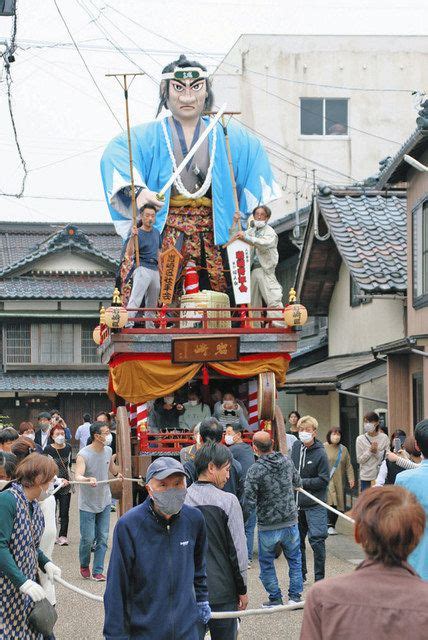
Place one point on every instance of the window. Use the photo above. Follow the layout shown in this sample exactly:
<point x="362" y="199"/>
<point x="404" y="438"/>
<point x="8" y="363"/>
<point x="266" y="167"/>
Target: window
<point x="56" y="344"/>
<point x="89" y="348"/>
<point x="420" y="255"/>
<point x="323" y="116"/>
<point x="18" y="343"/>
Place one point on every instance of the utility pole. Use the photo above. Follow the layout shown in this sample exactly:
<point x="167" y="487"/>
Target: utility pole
<point x="122" y="79"/>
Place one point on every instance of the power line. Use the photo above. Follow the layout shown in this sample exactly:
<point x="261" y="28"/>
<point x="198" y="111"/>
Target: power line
<point x="110" y="39"/>
<point x="74" y="155"/>
<point x="8" y="59"/>
<point x="175" y="43"/>
<point x="126" y="36"/>
<point x="86" y="66"/>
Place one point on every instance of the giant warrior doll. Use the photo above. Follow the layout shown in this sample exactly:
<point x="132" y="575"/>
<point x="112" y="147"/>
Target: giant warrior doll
<point x="198" y="211"/>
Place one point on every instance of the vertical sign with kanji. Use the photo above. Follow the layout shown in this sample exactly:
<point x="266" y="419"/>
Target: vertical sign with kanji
<point x="238" y="253"/>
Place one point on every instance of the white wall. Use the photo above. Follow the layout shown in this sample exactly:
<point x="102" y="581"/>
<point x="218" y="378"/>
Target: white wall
<point x="372" y="62"/>
<point x="68" y="261"/>
<point x="357" y="329"/>
<point x="325" y="408"/>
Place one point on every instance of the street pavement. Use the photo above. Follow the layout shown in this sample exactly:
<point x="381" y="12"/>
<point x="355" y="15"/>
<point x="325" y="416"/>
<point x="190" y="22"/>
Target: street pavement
<point x="82" y="619"/>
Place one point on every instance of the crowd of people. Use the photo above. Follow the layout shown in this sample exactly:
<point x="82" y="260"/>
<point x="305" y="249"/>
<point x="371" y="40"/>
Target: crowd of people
<point x="186" y="550"/>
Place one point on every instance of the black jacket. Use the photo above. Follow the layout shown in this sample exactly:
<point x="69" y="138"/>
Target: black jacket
<point x="312" y="464"/>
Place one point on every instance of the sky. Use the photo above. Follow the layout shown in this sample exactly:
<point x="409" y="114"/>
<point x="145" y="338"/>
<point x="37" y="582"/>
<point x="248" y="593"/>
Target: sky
<point x="63" y="122"/>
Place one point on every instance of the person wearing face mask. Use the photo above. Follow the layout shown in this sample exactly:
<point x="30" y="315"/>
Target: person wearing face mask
<point x="212" y="431"/>
<point x="265" y="288"/>
<point x="371" y="448"/>
<point x="21" y="528"/>
<point x="156" y="581"/>
<point x="93" y="464"/>
<point x="42" y="436"/>
<point x="227" y="548"/>
<point x="60" y="452"/>
<point x="194" y="411"/>
<point x="229" y="411"/>
<point x="27" y="430"/>
<point x="165" y="414"/>
<point x="341" y="470"/>
<point x="310" y="460"/>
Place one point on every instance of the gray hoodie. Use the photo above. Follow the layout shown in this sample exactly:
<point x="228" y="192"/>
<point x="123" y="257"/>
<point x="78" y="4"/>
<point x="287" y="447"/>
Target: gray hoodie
<point x="270" y="486"/>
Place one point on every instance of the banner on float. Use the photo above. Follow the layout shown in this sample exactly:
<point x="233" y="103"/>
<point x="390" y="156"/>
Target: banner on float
<point x="238" y="253"/>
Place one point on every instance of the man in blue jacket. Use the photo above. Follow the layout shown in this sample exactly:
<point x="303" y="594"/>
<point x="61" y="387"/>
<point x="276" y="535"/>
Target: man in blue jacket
<point x="156" y="581"/>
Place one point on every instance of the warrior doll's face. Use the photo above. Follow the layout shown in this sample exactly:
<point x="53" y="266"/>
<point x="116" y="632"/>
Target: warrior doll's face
<point x="186" y="99"/>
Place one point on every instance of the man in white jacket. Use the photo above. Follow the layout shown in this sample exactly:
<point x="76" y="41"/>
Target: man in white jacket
<point x="265" y="288"/>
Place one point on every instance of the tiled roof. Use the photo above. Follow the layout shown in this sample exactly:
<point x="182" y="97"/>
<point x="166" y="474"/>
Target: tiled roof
<point x="88" y="287"/>
<point x="370" y="234"/>
<point x="330" y="369"/>
<point x="71" y="382"/>
<point x="19" y="241"/>
<point x="69" y="237"/>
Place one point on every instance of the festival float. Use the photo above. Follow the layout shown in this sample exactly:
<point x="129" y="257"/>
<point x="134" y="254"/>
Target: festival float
<point x="197" y="301"/>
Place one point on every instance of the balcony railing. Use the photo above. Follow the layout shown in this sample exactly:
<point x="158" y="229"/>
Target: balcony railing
<point x="196" y="320"/>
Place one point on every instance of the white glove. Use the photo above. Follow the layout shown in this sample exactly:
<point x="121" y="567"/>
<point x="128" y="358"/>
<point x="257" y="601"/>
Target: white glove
<point x="34" y="590"/>
<point x="52" y="571"/>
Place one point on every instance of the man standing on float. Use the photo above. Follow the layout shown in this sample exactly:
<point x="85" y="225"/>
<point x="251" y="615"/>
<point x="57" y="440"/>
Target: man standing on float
<point x="198" y="211"/>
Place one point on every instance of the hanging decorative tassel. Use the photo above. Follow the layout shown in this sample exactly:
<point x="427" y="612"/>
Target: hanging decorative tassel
<point x="205" y="375"/>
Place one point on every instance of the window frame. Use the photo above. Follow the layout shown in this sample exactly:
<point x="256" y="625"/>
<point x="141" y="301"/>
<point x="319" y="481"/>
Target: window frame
<point x="419" y="300"/>
<point x="324" y="135"/>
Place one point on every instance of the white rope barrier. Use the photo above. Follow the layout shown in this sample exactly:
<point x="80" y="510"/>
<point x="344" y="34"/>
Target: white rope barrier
<point x="140" y="481"/>
<point x="214" y="615"/>
<point x="81" y="592"/>
<point x="327" y="506"/>
<point x="137" y="480"/>
<point x="218" y="615"/>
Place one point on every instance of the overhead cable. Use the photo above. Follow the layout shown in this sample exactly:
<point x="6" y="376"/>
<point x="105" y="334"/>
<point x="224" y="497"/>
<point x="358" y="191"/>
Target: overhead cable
<point x="86" y="66"/>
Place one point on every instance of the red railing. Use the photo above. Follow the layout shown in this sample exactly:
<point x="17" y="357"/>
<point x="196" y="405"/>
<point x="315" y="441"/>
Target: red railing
<point x="172" y="442"/>
<point x="210" y="320"/>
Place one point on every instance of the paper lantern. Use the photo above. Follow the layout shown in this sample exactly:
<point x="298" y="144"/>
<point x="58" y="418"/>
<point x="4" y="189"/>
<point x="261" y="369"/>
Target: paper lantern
<point x="295" y="315"/>
<point x="116" y="317"/>
<point x="96" y="334"/>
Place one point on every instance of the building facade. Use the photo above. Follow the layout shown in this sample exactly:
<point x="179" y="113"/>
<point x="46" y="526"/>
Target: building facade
<point x="53" y="280"/>
<point x="407" y="358"/>
<point x="329" y="103"/>
<point x="353" y="272"/>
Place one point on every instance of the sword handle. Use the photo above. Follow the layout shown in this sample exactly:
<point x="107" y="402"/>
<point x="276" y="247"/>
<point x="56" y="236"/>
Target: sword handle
<point x="160" y="197"/>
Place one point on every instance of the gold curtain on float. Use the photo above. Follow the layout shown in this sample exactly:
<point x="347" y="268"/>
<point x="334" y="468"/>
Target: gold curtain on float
<point x="139" y="378"/>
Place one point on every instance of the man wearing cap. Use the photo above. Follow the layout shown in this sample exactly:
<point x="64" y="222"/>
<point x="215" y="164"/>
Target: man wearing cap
<point x="156" y="581"/>
<point x="198" y="211"/>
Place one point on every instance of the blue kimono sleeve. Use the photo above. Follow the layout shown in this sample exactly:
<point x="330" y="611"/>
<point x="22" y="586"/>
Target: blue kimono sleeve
<point x="255" y="181"/>
<point x="115" y="173"/>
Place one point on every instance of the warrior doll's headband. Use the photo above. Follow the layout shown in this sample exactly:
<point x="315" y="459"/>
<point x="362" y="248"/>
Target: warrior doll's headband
<point x="189" y="73"/>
